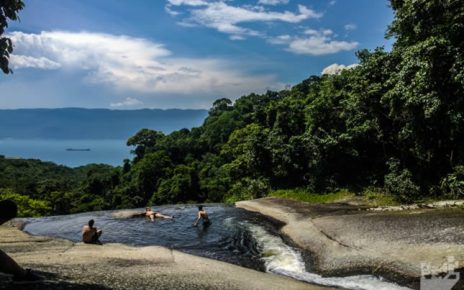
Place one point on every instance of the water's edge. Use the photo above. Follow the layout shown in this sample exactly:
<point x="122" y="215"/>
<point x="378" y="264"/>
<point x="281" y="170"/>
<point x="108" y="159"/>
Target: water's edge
<point x="310" y="255"/>
<point x="277" y="251"/>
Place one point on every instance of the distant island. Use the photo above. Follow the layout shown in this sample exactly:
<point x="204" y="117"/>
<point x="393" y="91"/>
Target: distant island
<point x="79" y="123"/>
<point x="77" y="149"/>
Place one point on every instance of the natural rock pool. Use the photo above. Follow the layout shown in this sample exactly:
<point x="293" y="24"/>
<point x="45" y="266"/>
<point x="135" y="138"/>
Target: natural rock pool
<point x="235" y="236"/>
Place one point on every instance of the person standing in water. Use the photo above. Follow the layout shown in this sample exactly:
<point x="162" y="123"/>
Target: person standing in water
<point x="202" y="215"/>
<point x="91" y="235"/>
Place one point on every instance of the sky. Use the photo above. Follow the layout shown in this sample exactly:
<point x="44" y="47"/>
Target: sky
<point x="122" y="54"/>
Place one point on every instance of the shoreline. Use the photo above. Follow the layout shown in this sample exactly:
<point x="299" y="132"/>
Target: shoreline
<point x="343" y="239"/>
<point x="70" y="265"/>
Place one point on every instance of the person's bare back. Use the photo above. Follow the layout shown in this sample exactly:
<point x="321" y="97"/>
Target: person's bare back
<point x="202" y="215"/>
<point x="90" y="234"/>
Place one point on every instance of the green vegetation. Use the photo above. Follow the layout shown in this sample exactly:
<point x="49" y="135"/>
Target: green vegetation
<point x="377" y="197"/>
<point x="304" y="195"/>
<point x="395" y="122"/>
<point x="44" y="188"/>
<point x="27" y="207"/>
<point x="370" y="196"/>
<point x="8" y="11"/>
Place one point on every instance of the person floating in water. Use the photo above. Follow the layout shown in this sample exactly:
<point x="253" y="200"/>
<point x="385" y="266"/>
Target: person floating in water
<point x="9" y="210"/>
<point x="90" y="234"/>
<point x="149" y="213"/>
<point x="202" y="215"/>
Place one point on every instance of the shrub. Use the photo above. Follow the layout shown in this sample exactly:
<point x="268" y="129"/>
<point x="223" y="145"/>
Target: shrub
<point x="27" y="207"/>
<point x="248" y="188"/>
<point x="453" y="184"/>
<point x="311" y="197"/>
<point x="399" y="182"/>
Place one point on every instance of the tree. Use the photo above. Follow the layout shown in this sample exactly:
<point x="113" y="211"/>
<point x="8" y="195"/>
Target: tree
<point x="181" y="186"/>
<point x="148" y="172"/>
<point x="8" y="11"/>
<point x="220" y="106"/>
<point x="247" y="153"/>
<point x="426" y="101"/>
<point x="26" y="206"/>
<point x="145" y="141"/>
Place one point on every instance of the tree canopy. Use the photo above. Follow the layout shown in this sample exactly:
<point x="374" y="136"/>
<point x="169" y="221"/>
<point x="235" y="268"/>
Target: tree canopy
<point x="8" y="11"/>
<point x="394" y="122"/>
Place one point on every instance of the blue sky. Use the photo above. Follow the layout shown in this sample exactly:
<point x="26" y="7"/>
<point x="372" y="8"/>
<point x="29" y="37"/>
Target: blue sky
<point x="123" y="54"/>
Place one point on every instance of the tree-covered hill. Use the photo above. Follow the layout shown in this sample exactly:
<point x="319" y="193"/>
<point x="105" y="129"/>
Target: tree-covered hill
<point x="394" y="122"/>
<point x="44" y="188"/>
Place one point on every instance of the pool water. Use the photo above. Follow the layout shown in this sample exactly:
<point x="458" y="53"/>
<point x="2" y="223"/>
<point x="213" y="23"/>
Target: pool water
<point x="234" y="236"/>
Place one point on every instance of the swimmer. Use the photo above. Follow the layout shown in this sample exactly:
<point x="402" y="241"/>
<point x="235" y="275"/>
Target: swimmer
<point x="202" y="215"/>
<point x="149" y="213"/>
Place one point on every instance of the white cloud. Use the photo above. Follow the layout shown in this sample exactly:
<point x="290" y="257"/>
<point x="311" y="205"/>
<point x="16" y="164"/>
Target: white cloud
<point x="23" y="61"/>
<point x="317" y="33"/>
<point x="226" y="18"/>
<point x="230" y="19"/>
<point x="350" y="27"/>
<point x="188" y="2"/>
<point x="273" y="2"/>
<point x="336" y="69"/>
<point x="171" y="12"/>
<point x="319" y="46"/>
<point x="313" y="42"/>
<point x="236" y="37"/>
<point x="127" y="103"/>
<point x="125" y="63"/>
<point x="170" y="3"/>
<point x="281" y="39"/>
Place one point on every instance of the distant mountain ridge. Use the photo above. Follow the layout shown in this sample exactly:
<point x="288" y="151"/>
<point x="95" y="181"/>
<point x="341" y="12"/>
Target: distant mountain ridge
<point x="80" y="123"/>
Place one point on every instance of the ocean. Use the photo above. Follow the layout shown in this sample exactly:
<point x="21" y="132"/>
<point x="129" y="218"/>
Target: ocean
<point x="111" y="152"/>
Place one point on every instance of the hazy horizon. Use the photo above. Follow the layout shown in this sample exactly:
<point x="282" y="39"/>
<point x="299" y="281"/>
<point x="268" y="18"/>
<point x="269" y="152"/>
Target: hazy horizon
<point x="83" y="123"/>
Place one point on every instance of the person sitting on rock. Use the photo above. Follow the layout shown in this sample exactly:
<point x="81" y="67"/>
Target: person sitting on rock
<point x="202" y="214"/>
<point x="149" y="213"/>
<point x="9" y="210"/>
<point x="91" y="235"/>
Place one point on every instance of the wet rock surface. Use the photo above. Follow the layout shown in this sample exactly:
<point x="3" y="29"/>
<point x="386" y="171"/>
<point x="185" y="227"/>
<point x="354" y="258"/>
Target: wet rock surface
<point x="346" y="239"/>
<point x="67" y="265"/>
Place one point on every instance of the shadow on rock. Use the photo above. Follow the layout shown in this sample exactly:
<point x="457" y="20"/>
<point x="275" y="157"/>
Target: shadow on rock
<point x="51" y="281"/>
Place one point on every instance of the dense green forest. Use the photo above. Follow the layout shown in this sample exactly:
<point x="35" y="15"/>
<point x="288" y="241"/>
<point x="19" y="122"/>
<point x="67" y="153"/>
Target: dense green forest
<point x="394" y="124"/>
<point x="43" y="188"/>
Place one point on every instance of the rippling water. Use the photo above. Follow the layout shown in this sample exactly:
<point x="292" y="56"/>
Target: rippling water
<point x="235" y="236"/>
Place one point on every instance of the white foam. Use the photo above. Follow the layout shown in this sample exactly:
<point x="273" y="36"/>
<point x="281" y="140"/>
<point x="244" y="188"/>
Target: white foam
<point x="282" y="259"/>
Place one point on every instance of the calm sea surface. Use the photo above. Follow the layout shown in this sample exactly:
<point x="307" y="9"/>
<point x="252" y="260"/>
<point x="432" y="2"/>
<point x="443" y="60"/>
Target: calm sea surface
<point x="111" y="152"/>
